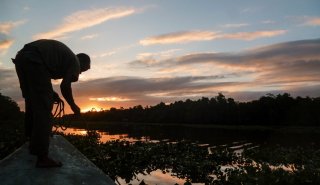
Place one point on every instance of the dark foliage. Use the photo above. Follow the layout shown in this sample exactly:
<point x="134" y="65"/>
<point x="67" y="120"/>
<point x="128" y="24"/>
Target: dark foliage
<point x="9" y="109"/>
<point x="269" y="110"/>
<point x="11" y="126"/>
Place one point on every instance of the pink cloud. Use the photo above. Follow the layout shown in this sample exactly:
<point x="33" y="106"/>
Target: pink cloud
<point x="85" y="19"/>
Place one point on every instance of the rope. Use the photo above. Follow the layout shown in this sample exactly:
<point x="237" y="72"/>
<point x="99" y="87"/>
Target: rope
<point x="58" y="116"/>
<point x="60" y="122"/>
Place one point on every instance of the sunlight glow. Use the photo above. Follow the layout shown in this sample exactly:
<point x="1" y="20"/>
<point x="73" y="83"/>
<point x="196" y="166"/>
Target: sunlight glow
<point x="112" y="98"/>
<point x="92" y="109"/>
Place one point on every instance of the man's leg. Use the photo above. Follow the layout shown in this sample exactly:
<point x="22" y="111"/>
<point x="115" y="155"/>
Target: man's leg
<point x="40" y="97"/>
<point x="28" y="118"/>
<point x="28" y="121"/>
<point x="41" y="100"/>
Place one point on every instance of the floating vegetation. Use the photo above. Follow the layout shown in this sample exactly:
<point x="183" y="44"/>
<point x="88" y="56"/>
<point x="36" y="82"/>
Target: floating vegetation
<point x="193" y="162"/>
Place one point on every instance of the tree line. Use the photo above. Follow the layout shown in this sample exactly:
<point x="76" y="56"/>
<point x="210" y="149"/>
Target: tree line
<point x="268" y="110"/>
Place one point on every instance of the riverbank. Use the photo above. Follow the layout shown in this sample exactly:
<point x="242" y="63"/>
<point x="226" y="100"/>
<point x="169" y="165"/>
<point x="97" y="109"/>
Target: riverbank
<point x="282" y="129"/>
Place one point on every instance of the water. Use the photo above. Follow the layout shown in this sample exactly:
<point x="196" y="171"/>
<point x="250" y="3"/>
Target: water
<point x="234" y="137"/>
<point x="148" y="133"/>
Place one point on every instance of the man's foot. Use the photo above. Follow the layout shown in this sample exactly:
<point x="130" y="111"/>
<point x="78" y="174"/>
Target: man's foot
<point x="46" y="162"/>
<point x="32" y="152"/>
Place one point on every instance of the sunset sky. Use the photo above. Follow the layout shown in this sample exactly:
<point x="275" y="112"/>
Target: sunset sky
<point x="145" y="52"/>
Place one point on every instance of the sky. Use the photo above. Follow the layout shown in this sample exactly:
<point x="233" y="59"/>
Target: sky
<point x="145" y="52"/>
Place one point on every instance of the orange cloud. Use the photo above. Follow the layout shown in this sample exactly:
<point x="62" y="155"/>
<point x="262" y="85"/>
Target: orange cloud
<point x="312" y="21"/>
<point x="5" y="44"/>
<point x="191" y="36"/>
<point x="269" y="68"/>
<point x="179" y="37"/>
<point x="85" y="19"/>
<point x="6" y="27"/>
<point x="252" y="35"/>
<point x="113" y="99"/>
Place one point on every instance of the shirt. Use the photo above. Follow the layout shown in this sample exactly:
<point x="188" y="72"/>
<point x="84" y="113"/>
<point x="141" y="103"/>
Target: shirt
<point x="58" y="58"/>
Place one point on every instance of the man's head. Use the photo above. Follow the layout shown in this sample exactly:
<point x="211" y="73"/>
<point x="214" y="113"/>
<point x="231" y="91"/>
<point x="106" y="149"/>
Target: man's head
<point x="84" y="60"/>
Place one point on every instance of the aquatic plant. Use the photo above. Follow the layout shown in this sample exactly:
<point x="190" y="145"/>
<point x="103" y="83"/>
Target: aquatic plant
<point x="190" y="161"/>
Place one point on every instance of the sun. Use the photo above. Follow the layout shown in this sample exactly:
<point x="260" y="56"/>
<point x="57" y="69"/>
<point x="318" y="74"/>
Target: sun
<point x="92" y="108"/>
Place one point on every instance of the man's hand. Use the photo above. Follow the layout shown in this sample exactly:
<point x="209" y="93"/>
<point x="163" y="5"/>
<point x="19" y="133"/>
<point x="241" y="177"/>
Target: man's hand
<point x="75" y="109"/>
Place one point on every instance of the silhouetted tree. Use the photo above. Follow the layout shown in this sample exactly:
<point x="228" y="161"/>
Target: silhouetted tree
<point x="269" y="110"/>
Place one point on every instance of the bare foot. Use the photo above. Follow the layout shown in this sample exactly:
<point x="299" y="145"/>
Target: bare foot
<point x="46" y="162"/>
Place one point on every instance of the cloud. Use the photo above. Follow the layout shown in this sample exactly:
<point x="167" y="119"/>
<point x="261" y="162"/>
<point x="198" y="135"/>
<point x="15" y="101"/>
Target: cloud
<point x="151" y="58"/>
<point x="279" y="66"/>
<point x="85" y="19"/>
<point x="191" y="36"/>
<point x="6" y="74"/>
<point x="162" y="54"/>
<point x="252" y="35"/>
<point x="268" y="22"/>
<point x="249" y="10"/>
<point x="124" y="86"/>
<point x="26" y="8"/>
<point x="235" y="25"/>
<point x="179" y="37"/>
<point x="86" y="37"/>
<point x="9" y="84"/>
<point x="5" y="44"/>
<point x="105" y="54"/>
<point x="284" y="67"/>
<point x="263" y="56"/>
<point x="131" y="91"/>
<point x="312" y="21"/>
<point x="5" y="30"/>
<point x="6" y="27"/>
<point x="110" y="99"/>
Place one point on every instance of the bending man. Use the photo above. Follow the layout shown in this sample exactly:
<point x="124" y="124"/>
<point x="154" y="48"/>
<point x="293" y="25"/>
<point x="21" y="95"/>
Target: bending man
<point x="36" y="64"/>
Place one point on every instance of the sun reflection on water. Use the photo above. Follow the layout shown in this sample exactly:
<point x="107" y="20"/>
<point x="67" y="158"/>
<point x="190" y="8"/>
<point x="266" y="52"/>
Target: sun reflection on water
<point x="105" y="136"/>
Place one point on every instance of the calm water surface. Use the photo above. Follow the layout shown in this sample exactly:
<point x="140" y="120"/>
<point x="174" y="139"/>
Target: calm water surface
<point x="210" y="136"/>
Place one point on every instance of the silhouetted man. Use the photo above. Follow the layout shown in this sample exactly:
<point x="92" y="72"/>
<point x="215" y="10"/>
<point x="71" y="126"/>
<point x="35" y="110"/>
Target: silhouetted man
<point x="36" y="64"/>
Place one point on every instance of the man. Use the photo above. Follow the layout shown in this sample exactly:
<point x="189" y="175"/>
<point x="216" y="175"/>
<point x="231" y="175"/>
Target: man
<point x="36" y="64"/>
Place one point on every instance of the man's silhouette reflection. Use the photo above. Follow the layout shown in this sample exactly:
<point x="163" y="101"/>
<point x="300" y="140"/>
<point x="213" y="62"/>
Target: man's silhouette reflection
<point x="36" y="64"/>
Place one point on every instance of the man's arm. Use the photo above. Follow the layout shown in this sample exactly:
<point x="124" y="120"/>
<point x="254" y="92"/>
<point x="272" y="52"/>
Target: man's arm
<point x="66" y="91"/>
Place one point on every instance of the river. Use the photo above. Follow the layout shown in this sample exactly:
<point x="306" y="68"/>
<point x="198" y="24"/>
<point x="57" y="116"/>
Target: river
<point x="233" y="137"/>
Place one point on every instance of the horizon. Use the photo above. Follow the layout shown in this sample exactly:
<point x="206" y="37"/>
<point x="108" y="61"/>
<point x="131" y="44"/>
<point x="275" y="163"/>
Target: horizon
<point x="97" y="109"/>
<point x="147" y="52"/>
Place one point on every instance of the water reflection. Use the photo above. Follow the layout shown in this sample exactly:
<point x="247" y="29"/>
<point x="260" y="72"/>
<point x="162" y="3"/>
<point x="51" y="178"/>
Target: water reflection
<point x="75" y="131"/>
<point x="105" y="136"/>
<point x="156" y="177"/>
